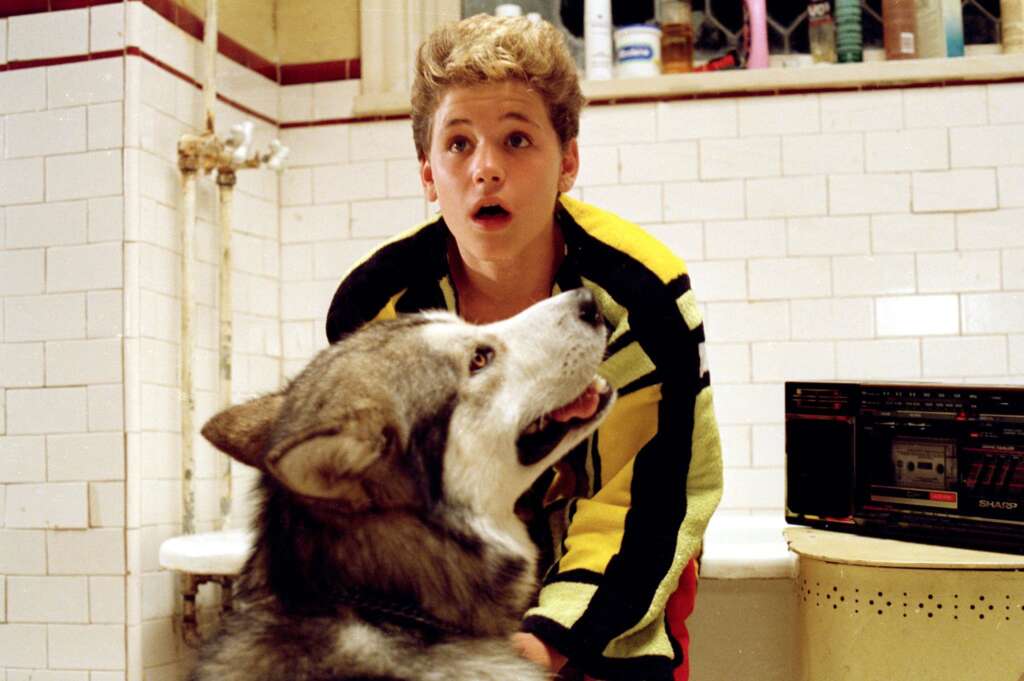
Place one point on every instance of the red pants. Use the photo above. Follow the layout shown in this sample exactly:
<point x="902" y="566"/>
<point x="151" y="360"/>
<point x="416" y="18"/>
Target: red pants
<point x="678" y="608"/>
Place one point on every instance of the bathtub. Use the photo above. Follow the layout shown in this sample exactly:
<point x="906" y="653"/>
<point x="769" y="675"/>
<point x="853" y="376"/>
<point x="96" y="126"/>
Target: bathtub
<point x="744" y="623"/>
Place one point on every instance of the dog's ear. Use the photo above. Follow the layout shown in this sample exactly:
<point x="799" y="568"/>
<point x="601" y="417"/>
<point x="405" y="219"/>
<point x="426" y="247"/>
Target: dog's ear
<point x="242" y="431"/>
<point x="330" y="463"/>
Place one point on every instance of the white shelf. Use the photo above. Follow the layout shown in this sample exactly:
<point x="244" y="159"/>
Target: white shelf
<point x="820" y="77"/>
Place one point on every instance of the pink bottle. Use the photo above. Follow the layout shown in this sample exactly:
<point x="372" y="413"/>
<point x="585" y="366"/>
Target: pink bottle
<point x="757" y="34"/>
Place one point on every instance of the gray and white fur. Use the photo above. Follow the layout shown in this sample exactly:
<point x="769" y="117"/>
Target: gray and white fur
<point x="387" y="547"/>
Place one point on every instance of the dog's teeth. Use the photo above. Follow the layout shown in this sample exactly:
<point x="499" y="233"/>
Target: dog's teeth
<point x="543" y="422"/>
<point x="531" y="429"/>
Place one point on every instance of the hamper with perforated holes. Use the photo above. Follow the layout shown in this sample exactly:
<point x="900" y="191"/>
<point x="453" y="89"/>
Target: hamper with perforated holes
<point x="882" y="610"/>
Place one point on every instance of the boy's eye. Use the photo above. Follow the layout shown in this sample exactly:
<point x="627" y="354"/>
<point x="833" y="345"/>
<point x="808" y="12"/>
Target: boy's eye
<point x="458" y="145"/>
<point x="518" y="140"/>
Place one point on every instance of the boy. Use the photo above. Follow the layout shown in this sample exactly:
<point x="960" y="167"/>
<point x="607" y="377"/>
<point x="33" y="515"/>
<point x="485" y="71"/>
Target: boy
<point x="495" y="110"/>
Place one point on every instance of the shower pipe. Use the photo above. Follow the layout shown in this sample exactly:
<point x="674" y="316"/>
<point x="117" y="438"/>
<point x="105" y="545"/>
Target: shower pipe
<point x="193" y="159"/>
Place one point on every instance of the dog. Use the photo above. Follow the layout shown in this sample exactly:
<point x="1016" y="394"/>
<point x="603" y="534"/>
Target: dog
<point x="387" y="547"/>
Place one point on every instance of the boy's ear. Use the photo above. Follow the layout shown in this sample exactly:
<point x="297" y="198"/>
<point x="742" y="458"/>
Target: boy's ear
<point x="427" y="178"/>
<point x="570" y="166"/>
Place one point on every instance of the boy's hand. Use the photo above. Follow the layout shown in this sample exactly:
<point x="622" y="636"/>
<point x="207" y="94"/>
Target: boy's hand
<point x="535" y="650"/>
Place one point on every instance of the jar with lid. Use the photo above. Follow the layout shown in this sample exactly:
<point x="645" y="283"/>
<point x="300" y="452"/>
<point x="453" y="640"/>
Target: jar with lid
<point x="821" y="31"/>
<point x="676" y="36"/>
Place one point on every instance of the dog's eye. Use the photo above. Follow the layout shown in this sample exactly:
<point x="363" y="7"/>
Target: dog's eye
<point x="482" y="356"/>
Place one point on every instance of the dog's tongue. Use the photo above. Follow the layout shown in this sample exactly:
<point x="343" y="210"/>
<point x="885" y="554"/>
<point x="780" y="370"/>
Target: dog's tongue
<point x="583" y="407"/>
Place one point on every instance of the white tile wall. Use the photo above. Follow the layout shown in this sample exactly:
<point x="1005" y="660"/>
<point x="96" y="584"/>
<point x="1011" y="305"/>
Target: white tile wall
<point x="786" y="197"/>
<point x="849" y="235"/>
<point x="106" y="27"/>
<point x="955" y="190"/>
<point x="1004" y="103"/>
<point x="91" y="82"/>
<point x="58" y="131"/>
<point x="24" y="90"/>
<point x="822" y="154"/>
<point x="736" y="158"/>
<point x="50" y="34"/>
<point x="701" y="119"/>
<point x="24" y="645"/>
<point x="48" y="599"/>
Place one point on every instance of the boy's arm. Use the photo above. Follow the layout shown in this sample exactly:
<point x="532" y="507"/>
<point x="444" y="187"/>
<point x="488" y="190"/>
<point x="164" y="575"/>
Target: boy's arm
<point x="627" y="545"/>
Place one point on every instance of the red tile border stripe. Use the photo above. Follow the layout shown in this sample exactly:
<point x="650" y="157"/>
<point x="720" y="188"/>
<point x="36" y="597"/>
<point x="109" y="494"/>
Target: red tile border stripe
<point x="315" y="72"/>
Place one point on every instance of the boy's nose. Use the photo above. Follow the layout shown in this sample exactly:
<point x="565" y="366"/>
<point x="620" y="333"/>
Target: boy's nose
<point x="488" y="169"/>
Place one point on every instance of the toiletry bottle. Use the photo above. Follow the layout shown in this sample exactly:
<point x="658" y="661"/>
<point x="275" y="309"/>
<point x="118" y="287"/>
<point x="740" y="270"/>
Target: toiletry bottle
<point x="508" y="9"/>
<point x="1012" y="26"/>
<point x="953" y="22"/>
<point x="676" y="36"/>
<point x="931" y="34"/>
<point x="898" y="26"/>
<point x="822" y="31"/>
<point x="757" y="34"/>
<point x="597" y="38"/>
<point x="849" y="35"/>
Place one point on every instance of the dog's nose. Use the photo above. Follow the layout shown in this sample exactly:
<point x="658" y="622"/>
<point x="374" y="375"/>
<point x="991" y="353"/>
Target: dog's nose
<point x="588" y="311"/>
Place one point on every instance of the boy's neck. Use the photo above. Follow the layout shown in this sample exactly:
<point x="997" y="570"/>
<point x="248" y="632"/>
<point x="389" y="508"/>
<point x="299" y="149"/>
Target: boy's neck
<point x="492" y="290"/>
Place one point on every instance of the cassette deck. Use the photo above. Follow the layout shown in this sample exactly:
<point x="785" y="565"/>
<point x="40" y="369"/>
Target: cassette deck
<point x="939" y="464"/>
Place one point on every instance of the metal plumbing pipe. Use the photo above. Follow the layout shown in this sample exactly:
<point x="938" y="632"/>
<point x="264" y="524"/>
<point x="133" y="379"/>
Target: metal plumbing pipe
<point x="188" y="402"/>
<point x="210" y="31"/>
<point x="226" y="180"/>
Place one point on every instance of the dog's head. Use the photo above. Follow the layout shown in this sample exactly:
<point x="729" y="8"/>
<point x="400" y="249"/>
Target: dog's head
<point x="409" y="412"/>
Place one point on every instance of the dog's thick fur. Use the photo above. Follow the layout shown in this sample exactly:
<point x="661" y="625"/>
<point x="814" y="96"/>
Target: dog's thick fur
<point x="387" y="547"/>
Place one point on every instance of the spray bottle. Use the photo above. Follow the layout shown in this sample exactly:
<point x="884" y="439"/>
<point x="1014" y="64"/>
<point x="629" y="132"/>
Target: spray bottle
<point x="757" y="34"/>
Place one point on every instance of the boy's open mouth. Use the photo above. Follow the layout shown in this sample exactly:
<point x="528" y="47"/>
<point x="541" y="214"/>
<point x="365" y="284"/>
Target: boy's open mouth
<point x="489" y="211"/>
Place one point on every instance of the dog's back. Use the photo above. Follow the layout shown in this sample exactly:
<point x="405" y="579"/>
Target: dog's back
<point x="386" y="546"/>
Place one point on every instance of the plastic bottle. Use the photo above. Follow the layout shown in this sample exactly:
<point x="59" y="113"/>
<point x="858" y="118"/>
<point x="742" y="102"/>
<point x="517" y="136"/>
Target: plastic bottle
<point x="849" y="34"/>
<point x="1013" y="26"/>
<point x="822" y="31"/>
<point x="508" y="9"/>
<point x="931" y="34"/>
<point x="757" y="25"/>
<point x="940" y="28"/>
<point x="676" y="36"/>
<point x="597" y="38"/>
<point x="953" y="22"/>
<point x="898" y="27"/>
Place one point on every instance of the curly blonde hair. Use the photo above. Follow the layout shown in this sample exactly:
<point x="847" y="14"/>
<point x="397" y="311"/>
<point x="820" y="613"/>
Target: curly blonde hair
<point x="487" y="49"/>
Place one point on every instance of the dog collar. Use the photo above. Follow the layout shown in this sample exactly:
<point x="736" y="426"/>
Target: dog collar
<point x="378" y="609"/>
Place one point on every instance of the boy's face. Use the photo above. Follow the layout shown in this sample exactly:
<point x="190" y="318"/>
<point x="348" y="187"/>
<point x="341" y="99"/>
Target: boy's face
<point x="495" y="166"/>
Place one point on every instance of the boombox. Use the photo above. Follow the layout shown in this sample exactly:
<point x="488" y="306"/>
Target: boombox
<point x="930" y="463"/>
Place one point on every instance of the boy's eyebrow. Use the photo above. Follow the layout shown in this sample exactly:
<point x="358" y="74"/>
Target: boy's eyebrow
<point x="515" y="115"/>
